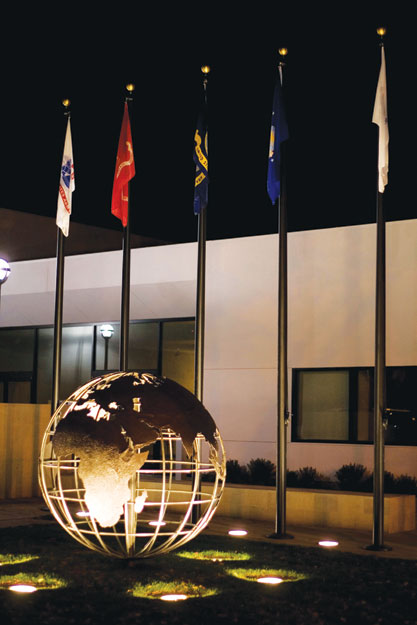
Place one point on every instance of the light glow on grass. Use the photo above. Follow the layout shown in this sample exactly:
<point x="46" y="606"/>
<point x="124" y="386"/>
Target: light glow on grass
<point x="22" y="588"/>
<point x="181" y="589"/>
<point x="267" y="576"/>
<point x="270" y="580"/>
<point x="22" y="581"/>
<point x="11" y="558"/>
<point x="328" y="543"/>
<point x="237" y="532"/>
<point x="214" y="555"/>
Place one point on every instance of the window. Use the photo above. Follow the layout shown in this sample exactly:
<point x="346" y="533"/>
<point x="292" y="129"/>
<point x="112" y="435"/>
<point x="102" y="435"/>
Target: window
<point x="337" y="405"/>
<point x="162" y="347"/>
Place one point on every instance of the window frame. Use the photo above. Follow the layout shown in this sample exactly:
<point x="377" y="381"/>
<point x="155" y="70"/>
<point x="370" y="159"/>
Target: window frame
<point x="353" y="406"/>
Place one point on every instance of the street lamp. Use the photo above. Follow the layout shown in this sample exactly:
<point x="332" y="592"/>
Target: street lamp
<point x="4" y="272"/>
<point x="106" y="331"/>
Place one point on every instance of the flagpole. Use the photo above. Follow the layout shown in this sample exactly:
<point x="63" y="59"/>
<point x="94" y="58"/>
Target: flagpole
<point x="282" y="381"/>
<point x="380" y="369"/>
<point x="59" y="299"/>
<point x="201" y="284"/>
<point x="125" y="300"/>
<point x="200" y="318"/>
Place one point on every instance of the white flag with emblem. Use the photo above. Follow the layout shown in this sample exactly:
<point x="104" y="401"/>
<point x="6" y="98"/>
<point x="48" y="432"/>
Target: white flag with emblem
<point x="66" y="185"/>
<point x="380" y="117"/>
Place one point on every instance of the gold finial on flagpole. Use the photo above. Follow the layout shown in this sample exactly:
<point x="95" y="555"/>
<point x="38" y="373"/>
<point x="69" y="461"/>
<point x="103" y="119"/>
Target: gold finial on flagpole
<point x="66" y="103"/>
<point x="283" y="51"/>
<point x="130" y="87"/>
<point x="205" y="69"/>
<point x="381" y="31"/>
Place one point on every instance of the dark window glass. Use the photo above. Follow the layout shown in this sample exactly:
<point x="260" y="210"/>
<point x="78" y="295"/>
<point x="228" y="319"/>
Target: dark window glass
<point x="143" y="346"/>
<point x="337" y="405"/>
<point x="178" y="352"/>
<point x="16" y="349"/>
<point x="77" y="342"/>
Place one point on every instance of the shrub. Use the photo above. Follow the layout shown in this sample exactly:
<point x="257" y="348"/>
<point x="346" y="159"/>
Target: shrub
<point x="292" y="479"/>
<point x="307" y="477"/>
<point x="406" y="484"/>
<point x="261" y="471"/>
<point x="351" y="476"/>
<point x="236" y="473"/>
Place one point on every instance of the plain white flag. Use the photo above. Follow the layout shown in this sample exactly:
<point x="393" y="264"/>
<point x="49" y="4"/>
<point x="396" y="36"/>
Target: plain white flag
<point x="66" y="185"/>
<point x="380" y="117"/>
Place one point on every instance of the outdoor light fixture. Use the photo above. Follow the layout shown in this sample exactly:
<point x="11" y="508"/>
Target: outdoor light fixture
<point x="156" y="523"/>
<point x="106" y="331"/>
<point x="269" y="580"/>
<point x="237" y="532"/>
<point x="4" y="270"/>
<point x="328" y="543"/>
<point x="22" y="588"/>
<point x="173" y="597"/>
<point x="82" y="513"/>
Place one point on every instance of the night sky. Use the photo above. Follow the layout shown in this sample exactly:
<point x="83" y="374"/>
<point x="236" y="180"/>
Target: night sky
<point x="330" y="81"/>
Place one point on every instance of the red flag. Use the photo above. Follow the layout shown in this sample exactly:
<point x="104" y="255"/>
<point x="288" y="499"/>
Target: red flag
<point x="125" y="170"/>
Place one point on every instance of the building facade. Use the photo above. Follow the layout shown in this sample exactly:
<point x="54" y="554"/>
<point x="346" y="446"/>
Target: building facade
<point x="331" y="311"/>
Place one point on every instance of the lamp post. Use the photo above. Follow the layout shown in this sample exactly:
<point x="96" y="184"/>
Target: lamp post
<point x="4" y="271"/>
<point x="106" y="331"/>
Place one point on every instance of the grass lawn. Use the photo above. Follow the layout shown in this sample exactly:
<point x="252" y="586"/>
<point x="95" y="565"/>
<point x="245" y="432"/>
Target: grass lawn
<point x="219" y="575"/>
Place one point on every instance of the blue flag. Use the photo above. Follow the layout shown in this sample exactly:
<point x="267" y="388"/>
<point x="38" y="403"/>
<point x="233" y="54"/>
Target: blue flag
<point x="279" y="133"/>
<point x="201" y="164"/>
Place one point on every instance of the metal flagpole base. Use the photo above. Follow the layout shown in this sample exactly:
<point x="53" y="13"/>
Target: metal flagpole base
<point x="378" y="548"/>
<point x="278" y="536"/>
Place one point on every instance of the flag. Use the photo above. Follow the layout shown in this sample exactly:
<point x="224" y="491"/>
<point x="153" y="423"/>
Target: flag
<point x="279" y="133"/>
<point x="201" y="164"/>
<point x="66" y="184"/>
<point x="380" y="117"/>
<point x="125" y="171"/>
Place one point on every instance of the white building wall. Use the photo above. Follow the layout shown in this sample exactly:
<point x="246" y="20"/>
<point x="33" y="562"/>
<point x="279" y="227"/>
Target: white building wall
<point x="331" y="295"/>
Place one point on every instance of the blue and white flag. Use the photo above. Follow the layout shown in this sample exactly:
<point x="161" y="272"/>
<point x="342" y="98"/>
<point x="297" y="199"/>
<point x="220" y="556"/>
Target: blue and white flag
<point x="380" y="117"/>
<point x="66" y="185"/>
<point x="279" y="133"/>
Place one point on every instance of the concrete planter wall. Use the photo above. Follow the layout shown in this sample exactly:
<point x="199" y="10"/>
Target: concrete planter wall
<point x="319" y="507"/>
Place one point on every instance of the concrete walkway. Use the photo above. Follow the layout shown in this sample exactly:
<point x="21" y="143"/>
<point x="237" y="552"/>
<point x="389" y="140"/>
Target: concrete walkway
<point x="15" y="512"/>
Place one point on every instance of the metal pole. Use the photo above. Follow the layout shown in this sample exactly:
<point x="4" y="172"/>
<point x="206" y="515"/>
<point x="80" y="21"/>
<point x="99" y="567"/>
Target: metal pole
<point x="124" y="317"/>
<point x="125" y="304"/>
<point x="200" y="323"/>
<point x="282" y="381"/>
<point x="200" y="307"/>
<point x="59" y="299"/>
<point x="379" y="373"/>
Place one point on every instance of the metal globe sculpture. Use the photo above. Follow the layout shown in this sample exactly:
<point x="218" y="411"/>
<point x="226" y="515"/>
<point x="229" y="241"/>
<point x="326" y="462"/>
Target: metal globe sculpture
<point x="123" y="462"/>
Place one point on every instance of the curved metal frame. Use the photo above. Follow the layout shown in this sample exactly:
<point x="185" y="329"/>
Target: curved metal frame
<point x="170" y="501"/>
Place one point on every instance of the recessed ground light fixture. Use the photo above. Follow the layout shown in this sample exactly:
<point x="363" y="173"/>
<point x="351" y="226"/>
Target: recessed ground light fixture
<point x="269" y="580"/>
<point x="157" y="523"/>
<point x="328" y="543"/>
<point x="237" y="532"/>
<point x="22" y="588"/>
<point x="173" y="597"/>
<point x="83" y="513"/>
